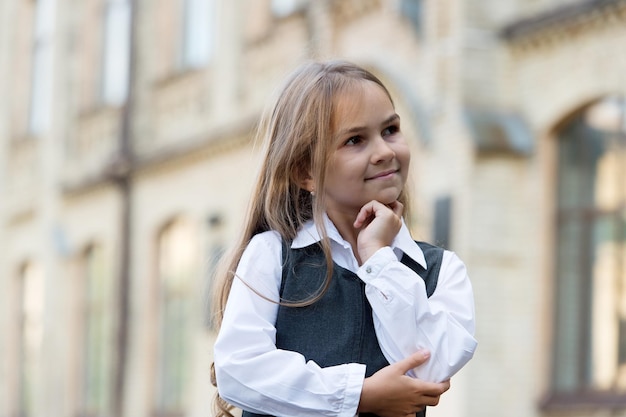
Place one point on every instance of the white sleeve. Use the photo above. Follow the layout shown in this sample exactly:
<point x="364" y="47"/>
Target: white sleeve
<point x="251" y="372"/>
<point x="406" y="320"/>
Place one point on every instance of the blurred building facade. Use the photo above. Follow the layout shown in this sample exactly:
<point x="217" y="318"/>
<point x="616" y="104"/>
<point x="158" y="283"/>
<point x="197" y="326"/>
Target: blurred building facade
<point x="126" y="162"/>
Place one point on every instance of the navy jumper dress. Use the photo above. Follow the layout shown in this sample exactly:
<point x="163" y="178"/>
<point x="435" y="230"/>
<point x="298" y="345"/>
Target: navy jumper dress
<point x="339" y="328"/>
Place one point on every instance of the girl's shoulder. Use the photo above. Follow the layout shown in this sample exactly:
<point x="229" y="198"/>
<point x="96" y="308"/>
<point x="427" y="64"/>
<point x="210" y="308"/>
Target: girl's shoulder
<point x="265" y="241"/>
<point x="261" y="259"/>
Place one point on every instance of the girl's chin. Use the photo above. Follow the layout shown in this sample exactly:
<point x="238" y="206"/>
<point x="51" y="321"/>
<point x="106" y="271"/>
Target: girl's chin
<point x="387" y="198"/>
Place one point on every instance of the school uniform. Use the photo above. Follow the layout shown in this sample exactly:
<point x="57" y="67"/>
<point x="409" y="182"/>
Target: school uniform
<point x="311" y="361"/>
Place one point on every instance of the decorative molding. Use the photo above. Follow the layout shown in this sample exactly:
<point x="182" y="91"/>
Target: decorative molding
<point x="181" y="107"/>
<point x="345" y="11"/>
<point x="93" y="147"/>
<point x="563" y="23"/>
<point x="218" y="141"/>
<point x="23" y="182"/>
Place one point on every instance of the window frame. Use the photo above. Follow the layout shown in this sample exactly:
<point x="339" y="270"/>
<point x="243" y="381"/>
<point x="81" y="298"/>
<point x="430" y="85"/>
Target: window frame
<point x="29" y="359"/>
<point x="95" y="253"/>
<point x="586" y="393"/>
<point x="169" y="267"/>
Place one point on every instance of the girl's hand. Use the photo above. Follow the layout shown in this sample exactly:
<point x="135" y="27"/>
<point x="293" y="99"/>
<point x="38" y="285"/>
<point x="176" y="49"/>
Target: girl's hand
<point x="379" y="224"/>
<point x="390" y="393"/>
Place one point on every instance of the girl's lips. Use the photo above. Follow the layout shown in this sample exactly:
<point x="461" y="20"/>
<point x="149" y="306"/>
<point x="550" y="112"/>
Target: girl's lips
<point x="383" y="174"/>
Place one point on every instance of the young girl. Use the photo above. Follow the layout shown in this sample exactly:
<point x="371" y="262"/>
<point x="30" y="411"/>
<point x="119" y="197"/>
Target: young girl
<point x="327" y="306"/>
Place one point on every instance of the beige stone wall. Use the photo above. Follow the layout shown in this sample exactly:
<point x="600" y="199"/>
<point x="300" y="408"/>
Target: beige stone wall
<point x="512" y="252"/>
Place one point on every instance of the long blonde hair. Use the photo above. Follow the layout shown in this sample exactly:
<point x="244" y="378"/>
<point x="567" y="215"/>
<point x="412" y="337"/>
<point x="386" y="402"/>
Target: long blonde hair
<point x="297" y="135"/>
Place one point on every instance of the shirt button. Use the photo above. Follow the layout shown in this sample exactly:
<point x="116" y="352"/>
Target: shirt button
<point x="368" y="269"/>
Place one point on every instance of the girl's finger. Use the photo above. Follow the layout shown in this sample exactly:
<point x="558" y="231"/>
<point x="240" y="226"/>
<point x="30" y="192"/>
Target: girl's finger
<point x="367" y="211"/>
<point x="397" y="208"/>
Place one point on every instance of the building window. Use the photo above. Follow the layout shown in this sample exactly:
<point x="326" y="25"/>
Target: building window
<point x="590" y="329"/>
<point x="413" y="11"/>
<point x="186" y="35"/>
<point x="284" y="8"/>
<point x="197" y="33"/>
<point x="214" y="250"/>
<point x="97" y="335"/>
<point x="31" y="309"/>
<point x="177" y="316"/>
<point x="116" y="52"/>
<point x="42" y="69"/>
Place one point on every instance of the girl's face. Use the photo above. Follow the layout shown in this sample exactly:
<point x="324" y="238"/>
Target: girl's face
<point x="369" y="156"/>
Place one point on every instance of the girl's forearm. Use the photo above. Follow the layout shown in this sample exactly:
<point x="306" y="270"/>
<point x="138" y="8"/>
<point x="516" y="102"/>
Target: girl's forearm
<point x="406" y="319"/>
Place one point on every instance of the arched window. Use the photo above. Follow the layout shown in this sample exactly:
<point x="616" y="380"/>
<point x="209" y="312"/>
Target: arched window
<point x="177" y="266"/>
<point x="98" y="337"/>
<point x="31" y="313"/>
<point x="590" y="330"/>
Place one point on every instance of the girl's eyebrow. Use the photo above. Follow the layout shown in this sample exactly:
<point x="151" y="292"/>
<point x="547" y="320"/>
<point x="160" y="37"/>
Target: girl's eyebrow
<point x="356" y="129"/>
<point x="391" y="119"/>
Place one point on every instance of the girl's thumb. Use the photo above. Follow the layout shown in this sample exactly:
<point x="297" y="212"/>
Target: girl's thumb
<point x="413" y="361"/>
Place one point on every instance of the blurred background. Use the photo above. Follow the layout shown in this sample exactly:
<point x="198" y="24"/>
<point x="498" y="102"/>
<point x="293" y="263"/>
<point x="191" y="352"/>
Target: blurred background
<point x="127" y="159"/>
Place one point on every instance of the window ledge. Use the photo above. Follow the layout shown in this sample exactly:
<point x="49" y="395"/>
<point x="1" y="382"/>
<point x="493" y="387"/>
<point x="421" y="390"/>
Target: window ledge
<point x="179" y="75"/>
<point x="98" y="110"/>
<point x="580" y="400"/>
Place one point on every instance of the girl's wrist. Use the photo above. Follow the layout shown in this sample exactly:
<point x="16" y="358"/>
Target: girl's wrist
<point x="364" y="406"/>
<point x="368" y="251"/>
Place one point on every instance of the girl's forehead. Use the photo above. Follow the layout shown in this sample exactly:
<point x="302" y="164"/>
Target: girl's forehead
<point x="359" y="91"/>
<point x="356" y="101"/>
<point x="353" y="88"/>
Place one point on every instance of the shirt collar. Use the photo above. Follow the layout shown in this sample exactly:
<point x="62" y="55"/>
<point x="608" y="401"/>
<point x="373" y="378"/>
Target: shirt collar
<point x="402" y="243"/>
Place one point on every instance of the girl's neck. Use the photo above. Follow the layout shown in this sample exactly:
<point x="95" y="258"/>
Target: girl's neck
<point x="344" y="222"/>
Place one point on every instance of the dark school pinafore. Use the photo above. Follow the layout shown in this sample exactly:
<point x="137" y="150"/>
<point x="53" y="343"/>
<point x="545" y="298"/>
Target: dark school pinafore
<point x="339" y="328"/>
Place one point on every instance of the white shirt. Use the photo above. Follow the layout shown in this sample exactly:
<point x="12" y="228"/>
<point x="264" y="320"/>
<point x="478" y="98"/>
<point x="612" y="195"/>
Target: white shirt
<point x="254" y="375"/>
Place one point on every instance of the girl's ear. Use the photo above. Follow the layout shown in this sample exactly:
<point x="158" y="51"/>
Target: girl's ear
<point x="304" y="179"/>
<point x="302" y="176"/>
<point x="307" y="183"/>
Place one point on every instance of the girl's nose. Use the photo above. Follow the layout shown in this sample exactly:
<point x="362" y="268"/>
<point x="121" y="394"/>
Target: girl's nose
<point x="382" y="151"/>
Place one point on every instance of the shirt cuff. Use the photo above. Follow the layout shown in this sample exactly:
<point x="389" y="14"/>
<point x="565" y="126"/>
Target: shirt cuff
<point x="376" y="263"/>
<point x="354" y="386"/>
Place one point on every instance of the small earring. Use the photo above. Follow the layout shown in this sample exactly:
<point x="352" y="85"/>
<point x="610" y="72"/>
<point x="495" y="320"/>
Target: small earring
<point x="312" y="193"/>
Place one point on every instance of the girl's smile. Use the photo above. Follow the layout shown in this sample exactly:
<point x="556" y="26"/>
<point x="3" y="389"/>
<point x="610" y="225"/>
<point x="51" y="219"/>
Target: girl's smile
<point x="383" y="175"/>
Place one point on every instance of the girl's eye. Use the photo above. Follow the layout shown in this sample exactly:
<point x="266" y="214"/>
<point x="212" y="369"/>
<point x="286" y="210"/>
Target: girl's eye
<point x="353" y="140"/>
<point x="390" y="130"/>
